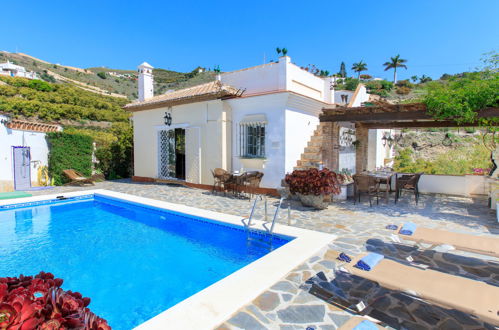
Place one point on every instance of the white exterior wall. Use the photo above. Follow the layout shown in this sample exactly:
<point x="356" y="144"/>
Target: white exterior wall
<point x="300" y="126"/>
<point x="210" y="118"/>
<point x="273" y="107"/>
<point x="459" y="185"/>
<point x="259" y="79"/>
<point x="281" y="76"/>
<point x="377" y="153"/>
<point x="306" y="83"/>
<point x="10" y="138"/>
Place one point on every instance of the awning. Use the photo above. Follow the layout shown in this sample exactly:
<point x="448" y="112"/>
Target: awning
<point x="260" y="119"/>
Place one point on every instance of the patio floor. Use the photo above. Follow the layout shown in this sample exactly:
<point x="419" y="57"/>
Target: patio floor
<point x="289" y="305"/>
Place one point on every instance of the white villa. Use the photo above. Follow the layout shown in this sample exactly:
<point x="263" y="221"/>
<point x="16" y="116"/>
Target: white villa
<point x="13" y="70"/>
<point x="262" y="118"/>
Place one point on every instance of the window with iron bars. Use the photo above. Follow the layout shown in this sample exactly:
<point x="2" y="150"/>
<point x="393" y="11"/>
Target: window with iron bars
<point x="252" y="140"/>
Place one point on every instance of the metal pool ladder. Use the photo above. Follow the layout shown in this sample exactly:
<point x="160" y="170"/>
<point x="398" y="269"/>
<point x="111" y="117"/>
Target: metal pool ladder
<point x="270" y="231"/>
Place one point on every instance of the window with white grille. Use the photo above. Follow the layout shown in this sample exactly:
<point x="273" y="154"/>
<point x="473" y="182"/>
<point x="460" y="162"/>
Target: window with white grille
<point x="252" y="140"/>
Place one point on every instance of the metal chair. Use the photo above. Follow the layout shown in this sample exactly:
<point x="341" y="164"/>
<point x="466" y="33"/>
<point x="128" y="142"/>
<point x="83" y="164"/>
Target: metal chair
<point x="408" y="182"/>
<point x="365" y="184"/>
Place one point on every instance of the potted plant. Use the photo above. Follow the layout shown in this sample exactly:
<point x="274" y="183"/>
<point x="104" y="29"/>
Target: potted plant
<point x="314" y="187"/>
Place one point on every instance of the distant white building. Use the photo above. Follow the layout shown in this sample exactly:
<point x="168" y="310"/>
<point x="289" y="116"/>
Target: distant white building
<point x="256" y="119"/>
<point x="24" y="153"/>
<point x="13" y="70"/>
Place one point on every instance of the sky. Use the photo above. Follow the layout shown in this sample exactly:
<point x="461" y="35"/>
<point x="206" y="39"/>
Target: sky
<point x="435" y="36"/>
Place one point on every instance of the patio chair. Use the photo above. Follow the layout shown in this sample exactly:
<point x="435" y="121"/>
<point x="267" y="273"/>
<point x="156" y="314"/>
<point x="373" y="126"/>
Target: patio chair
<point x="251" y="182"/>
<point x="486" y="245"/>
<point x="365" y="184"/>
<point x="76" y="177"/>
<point x="408" y="182"/>
<point x="447" y="291"/>
<point x="220" y="179"/>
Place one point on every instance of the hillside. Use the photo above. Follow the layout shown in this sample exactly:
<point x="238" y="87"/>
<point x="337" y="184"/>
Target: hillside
<point x="51" y="102"/>
<point x="108" y="81"/>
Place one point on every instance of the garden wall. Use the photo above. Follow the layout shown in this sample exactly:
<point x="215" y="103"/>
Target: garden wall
<point x="459" y="185"/>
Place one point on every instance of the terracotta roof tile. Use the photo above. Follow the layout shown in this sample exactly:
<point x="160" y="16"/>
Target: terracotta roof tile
<point x="208" y="91"/>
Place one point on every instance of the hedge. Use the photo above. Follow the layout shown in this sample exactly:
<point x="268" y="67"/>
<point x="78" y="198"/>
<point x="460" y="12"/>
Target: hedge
<point x="69" y="151"/>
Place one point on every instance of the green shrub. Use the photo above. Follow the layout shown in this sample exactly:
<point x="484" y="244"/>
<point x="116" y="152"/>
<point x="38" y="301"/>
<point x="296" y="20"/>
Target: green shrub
<point x="69" y="151"/>
<point x="101" y="75"/>
<point x="405" y="83"/>
<point x="379" y="87"/>
<point x="115" y="159"/>
<point x="402" y="90"/>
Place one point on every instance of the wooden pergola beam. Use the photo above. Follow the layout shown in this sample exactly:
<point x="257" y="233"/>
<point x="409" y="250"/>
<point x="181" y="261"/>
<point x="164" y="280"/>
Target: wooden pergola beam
<point x="381" y="116"/>
<point x="417" y="124"/>
<point x="410" y="112"/>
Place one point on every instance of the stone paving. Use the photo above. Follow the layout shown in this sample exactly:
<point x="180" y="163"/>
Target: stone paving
<point x="290" y="304"/>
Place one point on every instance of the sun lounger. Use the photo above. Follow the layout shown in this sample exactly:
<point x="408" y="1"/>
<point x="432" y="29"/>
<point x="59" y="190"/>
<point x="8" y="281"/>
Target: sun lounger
<point x="471" y="243"/>
<point x="77" y="177"/>
<point x="359" y="323"/>
<point x="453" y="292"/>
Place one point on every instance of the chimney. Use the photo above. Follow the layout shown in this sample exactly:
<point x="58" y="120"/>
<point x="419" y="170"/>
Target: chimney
<point x="146" y="88"/>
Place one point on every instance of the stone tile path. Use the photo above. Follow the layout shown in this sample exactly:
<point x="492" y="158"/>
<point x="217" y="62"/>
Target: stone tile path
<point x="289" y="304"/>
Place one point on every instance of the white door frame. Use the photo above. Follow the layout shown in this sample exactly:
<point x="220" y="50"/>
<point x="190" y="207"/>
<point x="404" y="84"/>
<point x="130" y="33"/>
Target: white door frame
<point x="158" y="149"/>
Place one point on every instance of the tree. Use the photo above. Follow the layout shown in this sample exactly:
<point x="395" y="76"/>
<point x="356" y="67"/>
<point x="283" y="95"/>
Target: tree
<point x="278" y="50"/>
<point x="284" y="51"/>
<point x="424" y="79"/>
<point x="101" y="75"/>
<point x="343" y="70"/>
<point x="394" y="63"/>
<point x="359" y="67"/>
<point x="414" y="78"/>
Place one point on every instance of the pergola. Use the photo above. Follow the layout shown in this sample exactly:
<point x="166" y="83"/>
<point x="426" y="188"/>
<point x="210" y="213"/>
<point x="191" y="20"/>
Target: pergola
<point x="388" y="116"/>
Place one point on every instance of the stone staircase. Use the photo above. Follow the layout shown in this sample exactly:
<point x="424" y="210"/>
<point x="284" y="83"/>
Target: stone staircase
<point x="312" y="156"/>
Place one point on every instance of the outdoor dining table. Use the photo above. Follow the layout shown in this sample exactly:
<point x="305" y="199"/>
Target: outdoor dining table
<point x="383" y="177"/>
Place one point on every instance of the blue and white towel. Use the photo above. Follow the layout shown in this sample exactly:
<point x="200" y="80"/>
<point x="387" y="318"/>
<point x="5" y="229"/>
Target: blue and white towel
<point x="365" y="325"/>
<point x="392" y="227"/>
<point x="408" y="228"/>
<point x="369" y="262"/>
<point x="344" y="257"/>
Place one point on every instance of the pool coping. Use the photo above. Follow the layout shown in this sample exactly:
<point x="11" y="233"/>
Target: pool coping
<point x="213" y="305"/>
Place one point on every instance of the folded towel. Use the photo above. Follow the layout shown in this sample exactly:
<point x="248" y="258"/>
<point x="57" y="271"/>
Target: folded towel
<point x="344" y="257"/>
<point x="369" y="261"/>
<point x="408" y="228"/>
<point x="392" y="227"/>
<point x="365" y="325"/>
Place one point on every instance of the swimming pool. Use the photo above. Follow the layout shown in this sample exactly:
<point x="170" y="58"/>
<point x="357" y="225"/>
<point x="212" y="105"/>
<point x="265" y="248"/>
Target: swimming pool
<point x="134" y="260"/>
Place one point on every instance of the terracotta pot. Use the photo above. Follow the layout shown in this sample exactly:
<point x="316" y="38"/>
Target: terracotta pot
<point x="319" y="202"/>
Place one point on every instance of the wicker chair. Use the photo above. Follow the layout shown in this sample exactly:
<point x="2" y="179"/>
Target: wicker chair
<point x="252" y="181"/>
<point x="220" y="179"/>
<point x="365" y="184"/>
<point x="408" y="182"/>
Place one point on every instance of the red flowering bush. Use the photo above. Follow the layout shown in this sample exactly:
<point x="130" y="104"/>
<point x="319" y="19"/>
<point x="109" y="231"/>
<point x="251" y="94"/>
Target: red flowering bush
<point x="314" y="182"/>
<point x="38" y="302"/>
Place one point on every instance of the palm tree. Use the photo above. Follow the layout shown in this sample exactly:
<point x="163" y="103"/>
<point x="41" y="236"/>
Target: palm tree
<point x="394" y="63"/>
<point x="359" y="67"/>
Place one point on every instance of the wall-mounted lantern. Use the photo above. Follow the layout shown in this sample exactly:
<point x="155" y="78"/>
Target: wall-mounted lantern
<point x="168" y="118"/>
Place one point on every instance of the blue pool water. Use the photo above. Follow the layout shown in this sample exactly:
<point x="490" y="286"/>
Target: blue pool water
<point x="133" y="262"/>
